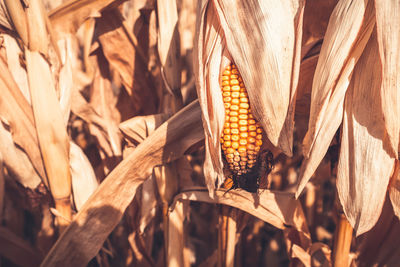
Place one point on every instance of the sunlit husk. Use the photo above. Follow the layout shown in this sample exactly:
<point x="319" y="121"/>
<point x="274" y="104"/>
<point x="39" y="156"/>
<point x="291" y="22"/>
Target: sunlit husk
<point x="364" y="164"/>
<point x="388" y="32"/>
<point x="263" y="39"/>
<point x="348" y="31"/>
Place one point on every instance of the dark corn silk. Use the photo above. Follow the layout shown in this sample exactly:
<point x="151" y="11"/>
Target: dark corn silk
<point x="241" y="138"/>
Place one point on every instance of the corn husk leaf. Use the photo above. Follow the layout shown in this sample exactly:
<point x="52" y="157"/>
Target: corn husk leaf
<point x="388" y="30"/>
<point x="52" y="133"/>
<point x="364" y="164"/>
<point x="16" y="112"/>
<point x="175" y="248"/>
<point x="349" y="29"/>
<point x="273" y="54"/>
<point x="104" y="209"/>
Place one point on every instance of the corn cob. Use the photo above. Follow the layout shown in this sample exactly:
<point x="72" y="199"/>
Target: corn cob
<point x="241" y="138"/>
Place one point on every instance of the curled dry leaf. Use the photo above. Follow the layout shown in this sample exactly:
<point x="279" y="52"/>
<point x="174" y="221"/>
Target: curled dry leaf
<point x="364" y="164"/>
<point x="349" y="29"/>
<point x="104" y="209"/>
<point x="394" y="189"/>
<point x="267" y="59"/>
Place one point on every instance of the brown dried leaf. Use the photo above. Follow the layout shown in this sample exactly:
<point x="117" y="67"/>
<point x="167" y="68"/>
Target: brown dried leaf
<point x="68" y="17"/>
<point x="349" y="29"/>
<point x="169" y="45"/>
<point x="365" y="166"/>
<point x="17" y="18"/>
<point x="138" y="128"/>
<point x="84" y="181"/>
<point x="280" y="209"/>
<point x="52" y="133"/>
<point x="16" y="161"/>
<point x="125" y="58"/>
<point x="388" y="30"/>
<point x="104" y="209"/>
<point x="38" y="39"/>
<point x="16" y="112"/>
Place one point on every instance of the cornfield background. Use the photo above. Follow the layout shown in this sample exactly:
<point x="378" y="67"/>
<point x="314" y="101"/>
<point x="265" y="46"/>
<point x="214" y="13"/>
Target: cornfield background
<point x="108" y="118"/>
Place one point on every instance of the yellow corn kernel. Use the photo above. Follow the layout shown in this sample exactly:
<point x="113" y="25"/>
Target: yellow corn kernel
<point x="241" y="137"/>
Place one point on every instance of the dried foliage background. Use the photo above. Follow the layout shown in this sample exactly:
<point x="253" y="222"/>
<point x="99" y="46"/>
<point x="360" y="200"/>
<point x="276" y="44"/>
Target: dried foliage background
<point x="102" y="143"/>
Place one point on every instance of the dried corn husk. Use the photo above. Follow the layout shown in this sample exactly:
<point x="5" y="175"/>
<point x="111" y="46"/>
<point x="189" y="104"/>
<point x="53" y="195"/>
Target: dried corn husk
<point x="356" y="83"/>
<point x="364" y="165"/>
<point x="263" y="39"/>
<point x="350" y="26"/>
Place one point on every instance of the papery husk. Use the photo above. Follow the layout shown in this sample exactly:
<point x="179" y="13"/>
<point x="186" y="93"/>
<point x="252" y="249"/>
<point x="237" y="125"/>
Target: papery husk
<point x="267" y="54"/>
<point x="388" y="32"/>
<point x="365" y="166"/>
<point x="349" y="29"/>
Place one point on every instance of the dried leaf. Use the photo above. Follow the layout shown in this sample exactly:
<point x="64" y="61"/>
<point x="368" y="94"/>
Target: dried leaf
<point x="17" y="113"/>
<point x="84" y="181"/>
<point x="52" y="134"/>
<point x="18" y="18"/>
<point x="138" y="128"/>
<point x="38" y="39"/>
<point x="104" y="209"/>
<point x="68" y="17"/>
<point x="349" y="29"/>
<point x="124" y="57"/>
<point x="18" y="72"/>
<point x="364" y="164"/>
<point x="280" y="209"/>
<point x="169" y="45"/>
<point x="388" y="29"/>
<point x="16" y="161"/>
